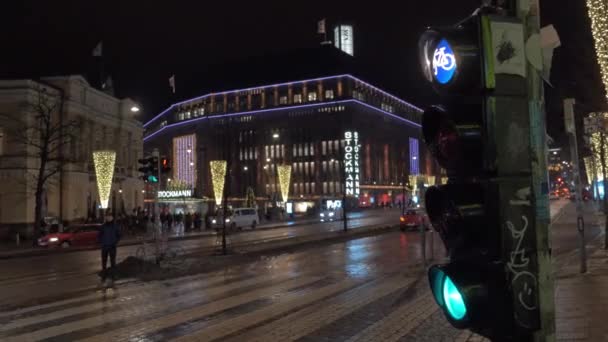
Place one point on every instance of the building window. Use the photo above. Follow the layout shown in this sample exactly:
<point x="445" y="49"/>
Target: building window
<point x="329" y="94"/>
<point x="324" y="187"/>
<point x="387" y="108"/>
<point x="312" y="149"/>
<point x="324" y="167"/>
<point x="180" y="116"/>
<point x="283" y="100"/>
<point x="323" y="148"/>
<point x="312" y="96"/>
<point x="297" y="98"/>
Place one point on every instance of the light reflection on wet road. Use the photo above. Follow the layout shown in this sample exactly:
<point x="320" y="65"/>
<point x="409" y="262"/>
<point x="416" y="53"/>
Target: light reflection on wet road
<point x="335" y="282"/>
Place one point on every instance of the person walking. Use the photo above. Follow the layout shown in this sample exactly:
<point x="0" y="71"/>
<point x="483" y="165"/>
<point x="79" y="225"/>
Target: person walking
<point x="188" y="221"/>
<point x="169" y="222"/>
<point x="108" y="237"/>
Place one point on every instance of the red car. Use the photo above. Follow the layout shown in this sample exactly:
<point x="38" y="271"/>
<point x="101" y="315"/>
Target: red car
<point x="81" y="235"/>
<point x="413" y="219"/>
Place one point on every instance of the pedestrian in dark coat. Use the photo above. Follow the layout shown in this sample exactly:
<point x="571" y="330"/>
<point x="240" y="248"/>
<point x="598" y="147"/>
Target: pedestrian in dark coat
<point x="108" y="237"/>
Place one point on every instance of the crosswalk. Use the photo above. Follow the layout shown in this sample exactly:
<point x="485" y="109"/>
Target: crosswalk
<point x="362" y="292"/>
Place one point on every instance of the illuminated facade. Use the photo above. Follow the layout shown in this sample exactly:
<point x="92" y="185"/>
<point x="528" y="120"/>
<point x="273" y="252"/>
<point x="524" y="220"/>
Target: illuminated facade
<point x="103" y="122"/>
<point x="184" y="159"/>
<point x="321" y="127"/>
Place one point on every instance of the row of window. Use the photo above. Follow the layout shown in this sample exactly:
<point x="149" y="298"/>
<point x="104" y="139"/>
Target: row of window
<point x="307" y="188"/>
<point x="219" y="106"/>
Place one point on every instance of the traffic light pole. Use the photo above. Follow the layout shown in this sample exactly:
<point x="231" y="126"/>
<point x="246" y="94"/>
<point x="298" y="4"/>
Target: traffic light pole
<point x="530" y="17"/>
<point x="155" y="210"/>
<point x="580" y="223"/>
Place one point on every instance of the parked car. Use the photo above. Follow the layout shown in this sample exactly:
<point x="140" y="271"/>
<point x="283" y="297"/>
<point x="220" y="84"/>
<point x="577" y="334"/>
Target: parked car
<point x="414" y="218"/>
<point x="81" y="235"/>
<point x="237" y="218"/>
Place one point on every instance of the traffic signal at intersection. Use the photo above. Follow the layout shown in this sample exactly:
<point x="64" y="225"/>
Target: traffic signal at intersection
<point x="149" y="169"/>
<point x="466" y="136"/>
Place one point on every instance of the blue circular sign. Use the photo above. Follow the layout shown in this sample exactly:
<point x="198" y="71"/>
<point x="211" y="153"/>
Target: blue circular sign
<point x="444" y="62"/>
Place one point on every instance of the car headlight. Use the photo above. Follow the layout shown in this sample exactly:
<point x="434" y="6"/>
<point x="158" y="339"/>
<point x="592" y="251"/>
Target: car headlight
<point x="227" y="220"/>
<point x="54" y="239"/>
<point x="322" y="215"/>
<point x="331" y="214"/>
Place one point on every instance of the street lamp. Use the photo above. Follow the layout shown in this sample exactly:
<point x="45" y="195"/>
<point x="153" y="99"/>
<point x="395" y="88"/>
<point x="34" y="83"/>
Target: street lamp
<point x="134" y="109"/>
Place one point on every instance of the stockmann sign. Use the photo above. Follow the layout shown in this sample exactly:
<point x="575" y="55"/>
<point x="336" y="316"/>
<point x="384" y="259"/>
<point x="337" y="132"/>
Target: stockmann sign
<point x="174" y="193"/>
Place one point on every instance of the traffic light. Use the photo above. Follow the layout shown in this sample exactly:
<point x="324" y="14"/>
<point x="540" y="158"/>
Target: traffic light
<point x="477" y="213"/>
<point x="165" y="165"/>
<point x="149" y="169"/>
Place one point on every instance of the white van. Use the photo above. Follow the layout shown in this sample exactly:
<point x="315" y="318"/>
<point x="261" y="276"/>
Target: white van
<point x="238" y="218"/>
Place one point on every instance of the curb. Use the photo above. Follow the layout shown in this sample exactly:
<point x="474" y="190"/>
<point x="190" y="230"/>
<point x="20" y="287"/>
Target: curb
<point x="281" y="243"/>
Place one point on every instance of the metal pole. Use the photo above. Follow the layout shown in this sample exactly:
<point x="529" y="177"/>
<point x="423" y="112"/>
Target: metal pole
<point x="580" y="223"/>
<point x="605" y="199"/>
<point x="155" y="212"/>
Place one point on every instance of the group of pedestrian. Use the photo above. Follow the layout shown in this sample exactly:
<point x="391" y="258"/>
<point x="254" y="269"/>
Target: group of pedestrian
<point x="180" y="223"/>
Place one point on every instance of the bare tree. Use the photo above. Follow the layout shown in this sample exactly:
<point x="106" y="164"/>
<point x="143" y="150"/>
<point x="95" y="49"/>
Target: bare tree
<point x="41" y="134"/>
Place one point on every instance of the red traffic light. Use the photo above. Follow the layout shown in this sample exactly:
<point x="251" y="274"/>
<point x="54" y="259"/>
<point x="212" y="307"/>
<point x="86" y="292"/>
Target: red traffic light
<point x="454" y="136"/>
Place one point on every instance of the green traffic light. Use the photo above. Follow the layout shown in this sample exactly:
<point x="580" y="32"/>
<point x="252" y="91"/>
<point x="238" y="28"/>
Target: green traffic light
<point x="152" y="179"/>
<point x="452" y="298"/>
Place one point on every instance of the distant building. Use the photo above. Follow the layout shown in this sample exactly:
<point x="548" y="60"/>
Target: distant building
<point x="339" y="133"/>
<point x="344" y="38"/>
<point x="103" y="122"/>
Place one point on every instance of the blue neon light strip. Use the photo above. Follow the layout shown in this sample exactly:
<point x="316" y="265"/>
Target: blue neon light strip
<point x="280" y="85"/>
<point x="255" y="112"/>
<point x="414" y="157"/>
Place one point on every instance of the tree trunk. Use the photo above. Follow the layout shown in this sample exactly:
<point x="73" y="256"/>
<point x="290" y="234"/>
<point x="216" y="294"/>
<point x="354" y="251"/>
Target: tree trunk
<point x="39" y="192"/>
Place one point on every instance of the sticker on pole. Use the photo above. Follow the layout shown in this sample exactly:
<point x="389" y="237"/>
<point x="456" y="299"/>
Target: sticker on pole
<point x="444" y="62"/>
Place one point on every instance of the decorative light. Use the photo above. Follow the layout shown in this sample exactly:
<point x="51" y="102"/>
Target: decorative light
<point x="598" y="13"/>
<point x="596" y="148"/>
<point x="104" y="172"/>
<point x="120" y="191"/>
<point x="245" y="168"/>
<point x="284" y="172"/>
<point x="268" y="160"/>
<point x="275" y="136"/>
<point x="135" y="109"/>
<point x="218" y="178"/>
<point x="143" y="191"/>
<point x="184" y="159"/>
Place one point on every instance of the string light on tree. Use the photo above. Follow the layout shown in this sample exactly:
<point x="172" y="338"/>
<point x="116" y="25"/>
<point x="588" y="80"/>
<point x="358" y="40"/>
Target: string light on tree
<point x="284" y="172"/>
<point x="218" y="178"/>
<point x="598" y="13"/>
<point x="104" y="172"/>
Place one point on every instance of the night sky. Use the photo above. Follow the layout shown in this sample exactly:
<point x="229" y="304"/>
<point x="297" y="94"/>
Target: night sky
<point x="146" y="41"/>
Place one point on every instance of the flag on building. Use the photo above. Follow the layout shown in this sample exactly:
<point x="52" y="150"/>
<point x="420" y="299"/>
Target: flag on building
<point x="98" y="50"/>
<point x="172" y="83"/>
<point x="321" y="26"/>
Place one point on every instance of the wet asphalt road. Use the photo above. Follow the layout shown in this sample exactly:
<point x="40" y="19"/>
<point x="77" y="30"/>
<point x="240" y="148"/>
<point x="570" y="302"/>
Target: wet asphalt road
<point x="369" y="289"/>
